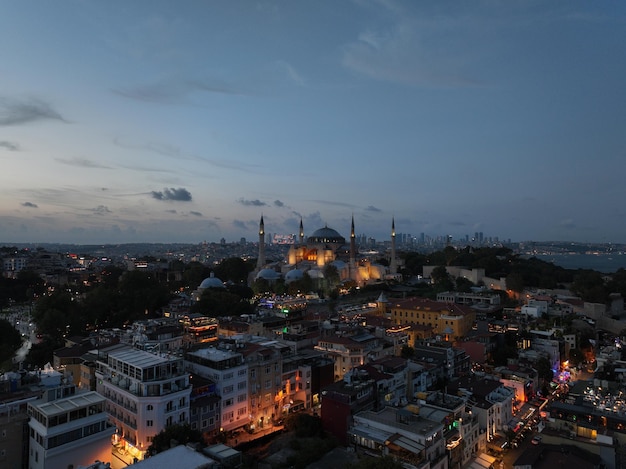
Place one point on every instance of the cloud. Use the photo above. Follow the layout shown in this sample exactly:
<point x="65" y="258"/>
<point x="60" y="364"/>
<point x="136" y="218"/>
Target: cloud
<point x="242" y="225"/>
<point x="413" y="49"/>
<point x="100" y="210"/>
<point x="179" y="195"/>
<point x="82" y="163"/>
<point x="30" y="205"/>
<point x="171" y="211"/>
<point x="278" y="203"/>
<point x="332" y="202"/>
<point x="291" y="72"/>
<point x="16" y="112"/>
<point x="197" y="214"/>
<point x="9" y="145"/>
<point x="371" y="208"/>
<point x="251" y="203"/>
<point x="175" y="90"/>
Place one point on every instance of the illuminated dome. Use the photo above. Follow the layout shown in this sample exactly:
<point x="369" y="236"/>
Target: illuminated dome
<point x="326" y="235"/>
<point x="211" y="282"/>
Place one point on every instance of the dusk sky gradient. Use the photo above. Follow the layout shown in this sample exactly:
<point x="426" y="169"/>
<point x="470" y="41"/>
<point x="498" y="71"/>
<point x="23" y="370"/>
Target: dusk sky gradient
<point x="184" y="121"/>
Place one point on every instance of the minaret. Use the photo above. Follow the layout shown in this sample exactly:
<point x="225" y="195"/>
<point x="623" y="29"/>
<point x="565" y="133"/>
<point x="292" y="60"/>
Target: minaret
<point x="261" y="259"/>
<point x="393" y="267"/>
<point x="301" y="233"/>
<point x="352" y="251"/>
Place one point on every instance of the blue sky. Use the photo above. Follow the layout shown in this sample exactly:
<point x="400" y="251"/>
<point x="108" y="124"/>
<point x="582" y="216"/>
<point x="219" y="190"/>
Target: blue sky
<point x="184" y="121"/>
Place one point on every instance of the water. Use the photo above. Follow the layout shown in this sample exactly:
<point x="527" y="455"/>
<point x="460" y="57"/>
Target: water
<point x="605" y="263"/>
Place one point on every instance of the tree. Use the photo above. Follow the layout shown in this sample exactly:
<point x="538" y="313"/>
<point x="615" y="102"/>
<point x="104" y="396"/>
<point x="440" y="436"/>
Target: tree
<point x="441" y="279"/>
<point x="180" y="433"/>
<point x="10" y="340"/>
<point x="463" y="284"/>
<point x="515" y="282"/>
<point x="234" y="269"/>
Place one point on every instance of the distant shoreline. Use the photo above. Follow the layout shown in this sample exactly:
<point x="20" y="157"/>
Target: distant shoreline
<point x="606" y="263"/>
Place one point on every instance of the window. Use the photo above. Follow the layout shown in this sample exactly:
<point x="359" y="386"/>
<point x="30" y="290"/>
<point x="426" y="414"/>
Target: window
<point x="228" y="402"/>
<point x="149" y="423"/>
<point x="228" y="389"/>
<point x="268" y="384"/>
<point x="242" y="385"/>
<point x="242" y="411"/>
<point x="228" y="416"/>
<point x="242" y="398"/>
<point x="149" y="407"/>
<point x="204" y="424"/>
<point x="253" y="373"/>
<point x="242" y="372"/>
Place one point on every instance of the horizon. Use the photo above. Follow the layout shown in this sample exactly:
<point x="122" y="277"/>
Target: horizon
<point x="152" y="122"/>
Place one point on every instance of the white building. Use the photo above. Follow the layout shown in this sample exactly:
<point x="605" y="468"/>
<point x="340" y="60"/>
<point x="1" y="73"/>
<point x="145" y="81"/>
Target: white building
<point x="69" y="431"/>
<point x="145" y="392"/>
<point x="226" y="368"/>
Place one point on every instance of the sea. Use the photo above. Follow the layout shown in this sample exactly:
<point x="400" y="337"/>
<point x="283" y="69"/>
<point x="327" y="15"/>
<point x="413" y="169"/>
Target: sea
<point x="605" y="263"/>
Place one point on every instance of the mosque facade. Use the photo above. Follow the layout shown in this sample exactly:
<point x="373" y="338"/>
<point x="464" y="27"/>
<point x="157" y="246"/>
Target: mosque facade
<point x="324" y="247"/>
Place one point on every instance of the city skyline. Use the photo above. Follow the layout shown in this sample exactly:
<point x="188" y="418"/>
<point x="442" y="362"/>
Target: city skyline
<point x="179" y="122"/>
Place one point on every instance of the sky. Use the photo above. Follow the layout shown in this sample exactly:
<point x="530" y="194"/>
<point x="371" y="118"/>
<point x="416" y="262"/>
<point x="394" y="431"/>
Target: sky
<point x="186" y="121"/>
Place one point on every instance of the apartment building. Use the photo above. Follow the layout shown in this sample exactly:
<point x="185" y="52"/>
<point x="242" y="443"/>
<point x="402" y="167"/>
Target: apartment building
<point x="402" y="434"/>
<point x="145" y="392"/>
<point x="69" y="431"/>
<point x="226" y="368"/>
<point x="352" y="351"/>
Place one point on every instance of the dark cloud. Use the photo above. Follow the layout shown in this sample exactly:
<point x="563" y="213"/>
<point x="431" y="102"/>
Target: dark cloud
<point x="30" y="205"/>
<point x="371" y="208"/>
<point x="9" y="145"/>
<point x="171" y="211"/>
<point x="197" y="214"/>
<point x="101" y="210"/>
<point x="82" y="163"/>
<point x="16" y="112"/>
<point x="253" y="203"/>
<point x="179" y="195"/>
<point x="278" y="203"/>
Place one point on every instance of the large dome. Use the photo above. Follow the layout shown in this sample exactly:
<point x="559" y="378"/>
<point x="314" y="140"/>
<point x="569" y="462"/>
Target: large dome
<point x="326" y="235"/>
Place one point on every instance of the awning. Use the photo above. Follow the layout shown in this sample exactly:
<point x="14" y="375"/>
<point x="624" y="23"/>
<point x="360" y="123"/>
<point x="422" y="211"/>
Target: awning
<point x="406" y="443"/>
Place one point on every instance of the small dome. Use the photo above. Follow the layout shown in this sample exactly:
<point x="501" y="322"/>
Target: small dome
<point x="339" y="265"/>
<point x="211" y="282"/>
<point x="326" y="235"/>
<point x="293" y="275"/>
<point x="267" y="274"/>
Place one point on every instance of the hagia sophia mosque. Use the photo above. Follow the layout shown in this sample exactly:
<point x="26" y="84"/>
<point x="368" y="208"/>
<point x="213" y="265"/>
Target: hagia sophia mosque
<point x="324" y="247"/>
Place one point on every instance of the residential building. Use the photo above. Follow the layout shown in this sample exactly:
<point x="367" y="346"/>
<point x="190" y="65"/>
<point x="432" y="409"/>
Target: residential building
<point x="68" y="431"/>
<point x="400" y="433"/>
<point x="351" y="351"/>
<point x="226" y="368"/>
<point x="343" y="399"/>
<point x="145" y="392"/>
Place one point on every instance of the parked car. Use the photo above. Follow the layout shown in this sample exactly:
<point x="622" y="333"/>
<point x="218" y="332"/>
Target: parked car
<point x="536" y="440"/>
